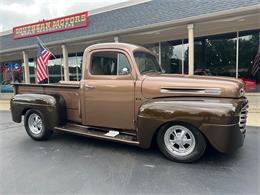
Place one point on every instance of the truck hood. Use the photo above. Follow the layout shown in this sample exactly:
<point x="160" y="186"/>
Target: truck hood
<point x="165" y="85"/>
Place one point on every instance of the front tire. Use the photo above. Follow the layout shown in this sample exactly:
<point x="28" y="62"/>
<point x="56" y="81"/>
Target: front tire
<point x="35" y="125"/>
<point x="181" y="143"/>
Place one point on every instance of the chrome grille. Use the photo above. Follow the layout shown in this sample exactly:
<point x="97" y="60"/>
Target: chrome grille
<point x="242" y="118"/>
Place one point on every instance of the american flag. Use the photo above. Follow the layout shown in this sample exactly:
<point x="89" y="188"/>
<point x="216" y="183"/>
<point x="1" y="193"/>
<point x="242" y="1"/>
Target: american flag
<point x="43" y="55"/>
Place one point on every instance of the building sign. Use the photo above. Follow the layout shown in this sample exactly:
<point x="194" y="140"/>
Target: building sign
<point x="54" y="25"/>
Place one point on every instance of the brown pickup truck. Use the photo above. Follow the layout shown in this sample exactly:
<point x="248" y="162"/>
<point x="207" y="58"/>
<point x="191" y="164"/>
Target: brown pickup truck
<point x="125" y="96"/>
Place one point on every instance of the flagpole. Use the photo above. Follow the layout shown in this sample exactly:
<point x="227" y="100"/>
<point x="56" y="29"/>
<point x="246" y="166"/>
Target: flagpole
<point x="45" y="47"/>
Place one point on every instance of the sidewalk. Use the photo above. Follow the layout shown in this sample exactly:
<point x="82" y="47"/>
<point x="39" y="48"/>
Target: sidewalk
<point x="4" y="105"/>
<point x="252" y="120"/>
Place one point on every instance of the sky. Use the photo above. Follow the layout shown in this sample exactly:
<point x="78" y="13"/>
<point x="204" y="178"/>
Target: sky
<point x="18" y="12"/>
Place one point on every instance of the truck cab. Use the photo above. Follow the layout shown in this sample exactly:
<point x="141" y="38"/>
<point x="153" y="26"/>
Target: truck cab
<point x="125" y="96"/>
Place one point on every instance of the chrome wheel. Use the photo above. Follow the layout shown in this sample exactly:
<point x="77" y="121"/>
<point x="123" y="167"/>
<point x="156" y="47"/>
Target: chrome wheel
<point x="179" y="140"/>
<point x="35" y="123"/>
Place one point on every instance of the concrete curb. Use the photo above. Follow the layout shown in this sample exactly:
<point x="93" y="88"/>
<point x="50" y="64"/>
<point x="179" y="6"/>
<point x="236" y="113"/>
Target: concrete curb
<point x="5" y="105"/>
<point x="6" y="96"/>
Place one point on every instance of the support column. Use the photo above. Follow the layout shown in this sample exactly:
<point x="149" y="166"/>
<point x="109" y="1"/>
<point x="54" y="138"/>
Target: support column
<point x="160" y="54"/>
<point x="237" y="54"/>
<point x="65" y="62"/>
<point x="116" y="39"/>
<point x="182" y="57"/>
<point x="191" y="48"/>
<point x="26" y="67"/>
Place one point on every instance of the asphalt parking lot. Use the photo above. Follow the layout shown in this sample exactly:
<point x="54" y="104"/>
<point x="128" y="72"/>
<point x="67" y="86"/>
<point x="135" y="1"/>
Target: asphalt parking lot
<point x="76" y="165"/>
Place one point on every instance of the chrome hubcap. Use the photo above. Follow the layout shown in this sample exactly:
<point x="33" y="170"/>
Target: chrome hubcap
<point x="35" y="123"/>
<point x="179" y="140"/>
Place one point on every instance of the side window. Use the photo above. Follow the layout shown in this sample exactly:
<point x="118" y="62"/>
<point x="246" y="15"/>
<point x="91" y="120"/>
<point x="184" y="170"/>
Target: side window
<point x="123" y="64"/>
<point x="109" y="63"/>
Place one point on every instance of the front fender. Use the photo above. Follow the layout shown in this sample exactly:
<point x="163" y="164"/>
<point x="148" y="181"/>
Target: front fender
<point x="51" y="106"/>
<point x="194" y="111"/>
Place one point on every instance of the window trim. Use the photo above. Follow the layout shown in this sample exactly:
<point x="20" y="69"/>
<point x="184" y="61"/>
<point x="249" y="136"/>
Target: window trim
<point x="110" y="77"/>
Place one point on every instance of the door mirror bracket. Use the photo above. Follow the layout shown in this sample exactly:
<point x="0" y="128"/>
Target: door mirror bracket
<point x="124" y="71"/>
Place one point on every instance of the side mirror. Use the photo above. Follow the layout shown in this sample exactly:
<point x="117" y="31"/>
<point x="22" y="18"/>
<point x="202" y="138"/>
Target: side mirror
<point x="124" y="71"/>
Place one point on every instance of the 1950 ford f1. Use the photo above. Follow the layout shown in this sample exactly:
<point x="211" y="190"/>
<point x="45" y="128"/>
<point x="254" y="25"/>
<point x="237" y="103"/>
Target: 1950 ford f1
<point x="124" y="96"/>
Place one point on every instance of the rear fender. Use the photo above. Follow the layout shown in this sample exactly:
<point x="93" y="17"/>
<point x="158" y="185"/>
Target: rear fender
<point x="51" y="106"/>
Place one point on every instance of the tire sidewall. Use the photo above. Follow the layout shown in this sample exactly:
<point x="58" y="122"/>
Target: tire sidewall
<point x="198" y="151"/>
<point x="28" y="130"/>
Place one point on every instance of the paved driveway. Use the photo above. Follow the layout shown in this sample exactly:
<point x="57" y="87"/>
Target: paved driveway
<point x="73" y="164"/>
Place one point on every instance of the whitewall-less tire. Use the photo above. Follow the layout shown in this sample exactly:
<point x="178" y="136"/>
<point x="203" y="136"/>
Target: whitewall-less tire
<point x="35" y="125"/>
<point x="181" y="142"/>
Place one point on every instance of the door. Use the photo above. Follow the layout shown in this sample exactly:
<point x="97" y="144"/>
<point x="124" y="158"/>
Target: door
<point x="109" y="91"/>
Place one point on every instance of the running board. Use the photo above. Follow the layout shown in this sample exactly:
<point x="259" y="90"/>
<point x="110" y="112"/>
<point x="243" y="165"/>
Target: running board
<point x="99" y="133"/>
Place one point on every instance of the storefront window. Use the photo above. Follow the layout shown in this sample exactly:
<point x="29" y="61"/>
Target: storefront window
<point x="215" y="55"/>
<point x="186" y="56"/>
<point x="10" y="72"/>
<point x="249" y="60"/>
<point x="80" y="62"/>
<point x="172" y="56"/>
<point x="32" y="71"/>
<point x="153" y="47"/>
<point x="75" y="66"/>
<point x="55" y="69"/>
<point x="2" y="68"/>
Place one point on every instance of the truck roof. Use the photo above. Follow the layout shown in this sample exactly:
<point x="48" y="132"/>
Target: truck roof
<point x="112" y="45"/>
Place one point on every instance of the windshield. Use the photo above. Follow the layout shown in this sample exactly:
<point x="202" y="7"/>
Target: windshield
<point x="146" y="62"/>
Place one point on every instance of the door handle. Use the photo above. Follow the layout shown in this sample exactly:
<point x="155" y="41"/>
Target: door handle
<point x="90" y="87"/>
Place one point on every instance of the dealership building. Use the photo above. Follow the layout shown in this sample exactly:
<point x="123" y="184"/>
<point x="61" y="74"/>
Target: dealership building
<point x="201" y="37"/>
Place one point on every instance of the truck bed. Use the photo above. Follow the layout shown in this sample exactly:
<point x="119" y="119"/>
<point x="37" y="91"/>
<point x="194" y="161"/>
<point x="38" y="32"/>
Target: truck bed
<point x="70" y="91"/>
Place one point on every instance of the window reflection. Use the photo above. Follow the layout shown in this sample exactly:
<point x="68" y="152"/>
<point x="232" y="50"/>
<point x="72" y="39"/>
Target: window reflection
<point x="11" y="72"/>
<point x="153" y="47"/>
<point x="249" y="59"/>
<point x="172" y="54"/>
<point x="215" y="55"/>
<point x="55" y="69"/>
<point x="79" y="61"/>
<point x="32" y="70"/>
<point x="75" y="66"/>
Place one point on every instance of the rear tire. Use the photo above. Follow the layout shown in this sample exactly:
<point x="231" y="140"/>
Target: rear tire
<point x="35" y="125"/>
<point x="181" y="142"/>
